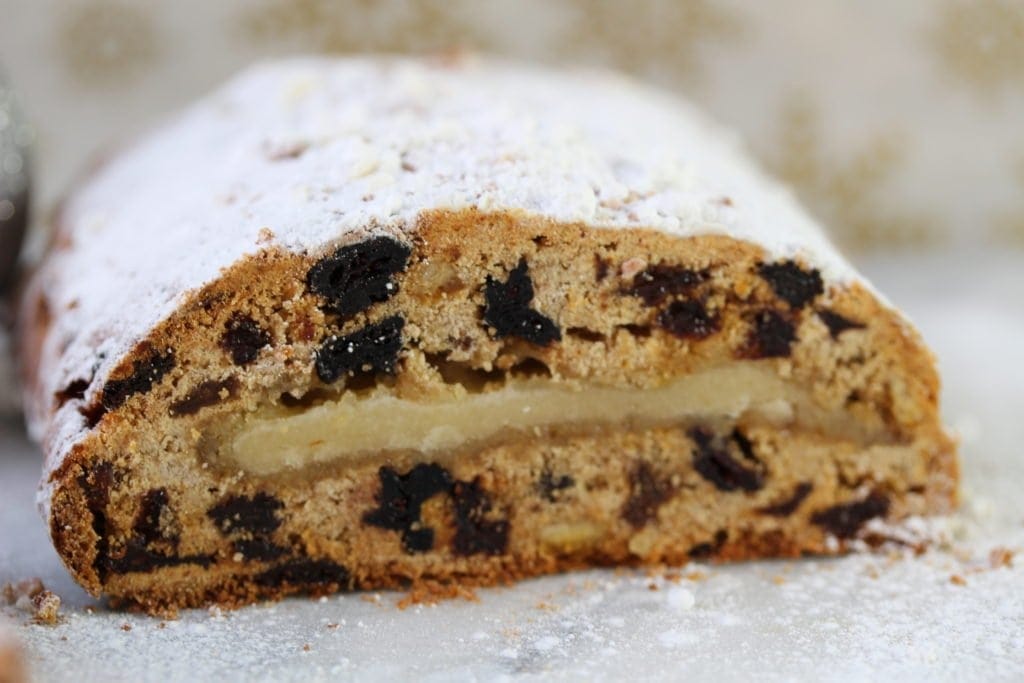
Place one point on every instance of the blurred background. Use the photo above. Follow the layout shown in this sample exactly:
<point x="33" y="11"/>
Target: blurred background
<point x="899" y="123"/>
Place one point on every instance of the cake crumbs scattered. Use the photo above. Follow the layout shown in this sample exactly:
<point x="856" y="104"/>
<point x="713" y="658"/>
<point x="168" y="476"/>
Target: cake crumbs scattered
<point x="1000" y="557"/>
<point x="126" y="627"/>
<point x="46" y="607"/>
<point x="30" y="595"/>
<point x="306" y="647"/>
<point x="21" y="593"/>
<point x="432" y="592"/>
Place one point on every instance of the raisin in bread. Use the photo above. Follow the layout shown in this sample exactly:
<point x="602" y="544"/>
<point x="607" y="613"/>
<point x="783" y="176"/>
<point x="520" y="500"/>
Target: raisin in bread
<point x="359" y="323"/>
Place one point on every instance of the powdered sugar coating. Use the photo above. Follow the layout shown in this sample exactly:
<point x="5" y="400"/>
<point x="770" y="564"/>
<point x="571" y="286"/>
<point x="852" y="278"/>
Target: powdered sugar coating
<point x="318" y="150"/>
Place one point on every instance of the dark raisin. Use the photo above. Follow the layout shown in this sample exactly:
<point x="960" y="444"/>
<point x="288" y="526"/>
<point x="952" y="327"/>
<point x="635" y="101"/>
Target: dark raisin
<point x="838" y="324"/>
<point x="204" y="395"/>
<point x="136" y="557"/>
<point x="474" y="532"/>
<point x="647" y="493"/>
<point x="791" y="283"/>
<point x="418" y="540"/>
<point x="714" y="462"/>
<point x="787" y="507"/>
<point x="153" y="544"/>
<point x="306" y="573"/>
<point x="147" y="524"/>
<point x="93" y="413"/>
<point x="659" y="282"/>
<point x="259" y="549"/>
<point x="507" y="309"/>
<point x="243" y="338"/>
<point x="145" y="373"/>
<point x="687" y="320"/>
<point x="372" y="349"/>
<point x="745" y="445"/>
<point x="95" y="483"/>
<point x="585" y="334"/>
<point x="705" y="550"/>
<point x="75" y="390"/>
<point x="600" y="268"/>
<point x="359" y="275"/>
<point x="549" y="484"/>
<point x="401" y="498"/>
<point x="771" y="337"/>
<point x="256" y="515"/>
<point x="843" y="521"/>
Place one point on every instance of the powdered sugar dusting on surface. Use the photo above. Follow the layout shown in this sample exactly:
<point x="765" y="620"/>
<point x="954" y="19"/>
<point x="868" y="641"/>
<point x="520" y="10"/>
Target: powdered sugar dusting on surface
<point x="306" y="152"/>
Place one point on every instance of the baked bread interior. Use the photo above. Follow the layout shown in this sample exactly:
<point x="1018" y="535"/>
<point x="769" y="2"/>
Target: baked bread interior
<point x="360" y="323"/>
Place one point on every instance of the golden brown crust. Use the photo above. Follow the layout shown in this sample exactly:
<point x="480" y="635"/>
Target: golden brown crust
<point x="138" y="510"/>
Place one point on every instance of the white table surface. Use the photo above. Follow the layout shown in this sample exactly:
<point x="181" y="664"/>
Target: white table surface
<point x="882" y="615"/>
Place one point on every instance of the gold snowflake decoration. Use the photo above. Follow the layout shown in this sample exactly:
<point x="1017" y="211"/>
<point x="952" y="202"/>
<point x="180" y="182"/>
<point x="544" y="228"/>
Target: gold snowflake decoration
<point x="106" y="43"/>
<point x="359" y="25"/>
<point x="656" y="37"/>
<point x="981" y="43"/>
<point x="844" y="194"/>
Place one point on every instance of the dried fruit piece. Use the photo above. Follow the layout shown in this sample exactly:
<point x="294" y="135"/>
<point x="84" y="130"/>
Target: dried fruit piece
<point x="714" y="462"/>
<point x="310" y="574"/>
<point x="838" y="324"/>
<point x="705" y="550"/>
<point x="771" y="337"/>
<point x="791" y="283"/>
<point x="647" y="493"/>
<point x="135" y="557"/>
<point x="145" y="374"/>
<point x="401" y="498"/>
<point x="474" y="531"/>
<point x="259" y="549"/>
<point x="657" y="283"/>
<point x="687" y="320"/>
<point x="359" y="275"/>
<point x="507" y="309"/>
<point x="256" y="515"/>
<point x="207" y="394"/>
<point x="788" y="506"/>
<point x="844" y="521"/>
<point x="95" y="483"/>
<point x="148" y="522"/>
<point x="243" y="338"/>
<point x="75" y="390"/>
<point x="372" y="349"/>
